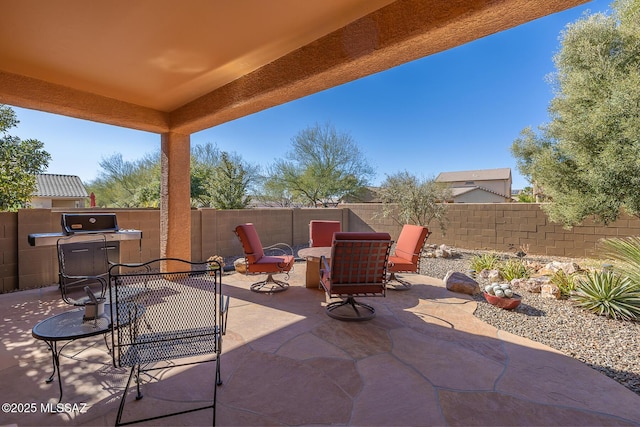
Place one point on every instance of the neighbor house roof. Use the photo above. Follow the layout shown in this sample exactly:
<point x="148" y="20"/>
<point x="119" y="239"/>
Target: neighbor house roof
<point x="475" y="175"/>
<point x="50" y="185"/>
<point x="458" y="191"/>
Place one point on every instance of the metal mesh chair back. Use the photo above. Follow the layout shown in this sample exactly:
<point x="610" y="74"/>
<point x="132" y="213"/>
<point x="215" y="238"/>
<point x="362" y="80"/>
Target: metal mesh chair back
<point x="163" y="310"/>
<point x="83" y="260"/>
<point x="180" y="309"/>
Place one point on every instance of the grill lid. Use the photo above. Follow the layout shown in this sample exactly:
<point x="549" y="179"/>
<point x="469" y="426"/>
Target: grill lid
<point x="89" y="223"/>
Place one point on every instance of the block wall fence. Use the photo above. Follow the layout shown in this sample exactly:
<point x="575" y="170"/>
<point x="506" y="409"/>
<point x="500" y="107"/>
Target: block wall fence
<point x="500" y="227"/>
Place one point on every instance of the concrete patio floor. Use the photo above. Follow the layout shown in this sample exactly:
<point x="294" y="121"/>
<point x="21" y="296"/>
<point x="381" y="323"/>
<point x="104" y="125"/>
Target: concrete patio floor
<point x="424" y="360"/>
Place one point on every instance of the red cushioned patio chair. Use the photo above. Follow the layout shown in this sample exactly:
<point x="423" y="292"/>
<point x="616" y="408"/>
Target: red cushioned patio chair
<point x="407" y="254"/>
<point x="259" y="263"/>
<point x="321" y="232"/>
<point x="358" y="268"/>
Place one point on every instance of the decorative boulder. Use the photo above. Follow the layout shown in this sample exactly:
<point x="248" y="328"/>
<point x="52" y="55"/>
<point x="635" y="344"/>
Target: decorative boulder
<point x="240" y="265"/>
<point x="494" y="276"/>
<point x="550" y="291"/>
<point x="567" y="267"/>
<point x="461" y="283"/>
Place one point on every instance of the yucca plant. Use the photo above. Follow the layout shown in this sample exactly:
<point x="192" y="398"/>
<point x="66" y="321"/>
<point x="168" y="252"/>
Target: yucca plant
<point x="626" y="251"/>
<point x="486" y="261"/>
<point x="513" y="269"/>
<point x="608" y="294"/>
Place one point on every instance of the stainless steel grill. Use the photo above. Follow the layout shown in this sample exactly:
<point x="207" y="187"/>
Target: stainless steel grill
<point x="86" y="223"/>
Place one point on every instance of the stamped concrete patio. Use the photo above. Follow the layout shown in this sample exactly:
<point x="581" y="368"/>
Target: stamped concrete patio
<point x="424" y="360"/>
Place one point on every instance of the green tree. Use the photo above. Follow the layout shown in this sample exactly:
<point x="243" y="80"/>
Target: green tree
<point x="230" y="184"/>
<point x="586" y="159"/>
<point x="127" y="184"/>
<point x="274" y="192"/>
<point x="221" y="179"/>
<point x="20" y="162"/>
<point x="137" y="183"/>
<point x="410" y="200"/>
<point x="322" y="167"/>
<point x="526" y="195"/>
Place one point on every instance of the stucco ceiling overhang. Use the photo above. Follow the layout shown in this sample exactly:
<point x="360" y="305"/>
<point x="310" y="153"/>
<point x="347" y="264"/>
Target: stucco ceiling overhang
<point x="169" y="66"/>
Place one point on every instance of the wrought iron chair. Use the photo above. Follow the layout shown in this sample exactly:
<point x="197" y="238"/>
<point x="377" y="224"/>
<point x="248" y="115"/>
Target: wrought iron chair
<point x="321" y="232"/>
<point x="358" y="268"/>
<point x="83" y="260"/>
<point x="259" y="263"/>
<point x="407" y="254"/>
<point x="185" y="314"/>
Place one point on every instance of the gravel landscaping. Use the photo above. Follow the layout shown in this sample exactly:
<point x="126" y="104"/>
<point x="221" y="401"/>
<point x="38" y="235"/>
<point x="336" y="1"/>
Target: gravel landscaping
<point x="609" y="346"/>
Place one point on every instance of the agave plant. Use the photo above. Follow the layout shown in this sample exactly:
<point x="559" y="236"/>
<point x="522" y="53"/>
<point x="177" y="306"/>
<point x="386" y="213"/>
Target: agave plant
<point x="486" y="261"/>
<point x="626" y="251"/>
<point x="513" y="269"/>
<point x="608" y="294"/>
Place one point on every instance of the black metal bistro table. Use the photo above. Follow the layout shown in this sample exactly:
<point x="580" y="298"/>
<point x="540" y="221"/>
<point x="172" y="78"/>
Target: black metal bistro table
<point x="69" y="326"/>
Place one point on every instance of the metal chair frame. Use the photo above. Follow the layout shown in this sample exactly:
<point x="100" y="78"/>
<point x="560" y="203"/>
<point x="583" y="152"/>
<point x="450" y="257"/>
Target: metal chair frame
<point x="401" y="284"/>
<point x="358" y="269"/>
<point x="83" y="260"/>
<point x="185" y="315"/>
<point x="270" y="284"/>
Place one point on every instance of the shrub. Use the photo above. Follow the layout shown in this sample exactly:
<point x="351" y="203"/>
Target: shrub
<point x="485" y="261"/>
<point x="627" y="252"/>
<point x="608" y="294"/>
<point x="565" y="282"/>
<point x="513" y="269"/>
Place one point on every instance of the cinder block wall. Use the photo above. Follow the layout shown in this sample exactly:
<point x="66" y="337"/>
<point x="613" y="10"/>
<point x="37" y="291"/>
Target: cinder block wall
<point x="506" y="227"/>
<point x="501" y="227"/>
<point x="8" y="251"/>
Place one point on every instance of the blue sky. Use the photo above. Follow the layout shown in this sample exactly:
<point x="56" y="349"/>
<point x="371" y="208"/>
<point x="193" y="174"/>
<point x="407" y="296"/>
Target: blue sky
<point x="457" y="110"/>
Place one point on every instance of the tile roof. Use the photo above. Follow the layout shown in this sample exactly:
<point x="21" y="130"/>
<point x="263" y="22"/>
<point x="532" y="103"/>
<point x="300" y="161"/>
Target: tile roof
<point x="475" y="175"/>
<point x="458" y="191"/>
<point x="50" y="185"/>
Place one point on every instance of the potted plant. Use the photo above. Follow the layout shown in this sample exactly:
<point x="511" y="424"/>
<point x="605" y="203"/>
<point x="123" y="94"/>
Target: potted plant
<point x="215" y="262"/>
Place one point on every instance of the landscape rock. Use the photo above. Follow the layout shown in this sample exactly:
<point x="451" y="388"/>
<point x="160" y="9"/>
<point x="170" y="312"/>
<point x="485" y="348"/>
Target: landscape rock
<point x="461" y="283"/>
<point x="240" y="265"/>
<point x="533" y="285"/>
<point x="550" y="291"/>
<point x="494" y="276"/>
<point x="567" y="267"/>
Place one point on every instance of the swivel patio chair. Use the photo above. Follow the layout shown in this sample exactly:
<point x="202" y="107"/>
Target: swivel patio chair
<point x="259" y="263"/>
<point x="358" y="268"/>
<point x="407" y="254"/>
<point x="321" y="232"/>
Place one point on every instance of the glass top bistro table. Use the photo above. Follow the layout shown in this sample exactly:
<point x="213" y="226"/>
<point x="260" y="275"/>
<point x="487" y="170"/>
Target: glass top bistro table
<point x="313" y="255"/>
<point x="70" y="326"/>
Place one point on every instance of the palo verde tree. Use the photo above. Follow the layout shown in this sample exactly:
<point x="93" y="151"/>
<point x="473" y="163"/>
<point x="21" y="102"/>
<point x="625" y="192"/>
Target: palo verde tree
<point x="408" y="199"/>
<point x="322" y="167"/>
<point x="586" y="160"/>
<point x="20" y="162"/>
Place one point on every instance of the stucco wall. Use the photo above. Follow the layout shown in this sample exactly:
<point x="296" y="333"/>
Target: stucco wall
<point x="502" y="227"/>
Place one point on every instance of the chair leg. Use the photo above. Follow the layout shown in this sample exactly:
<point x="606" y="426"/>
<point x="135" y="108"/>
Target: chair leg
<point x="401" y="285"/>
<point x="359" y="312"/>
<point x="269" y="285"/>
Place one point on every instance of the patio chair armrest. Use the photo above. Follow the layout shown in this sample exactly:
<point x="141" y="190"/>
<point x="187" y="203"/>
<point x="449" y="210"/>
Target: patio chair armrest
<point x="325" y="269"/>
<point x="279" y="247"/>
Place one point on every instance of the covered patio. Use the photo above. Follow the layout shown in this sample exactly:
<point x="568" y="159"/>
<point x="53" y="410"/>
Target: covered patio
<point x="423" y="360"/>
<point x="174" y="71"/>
